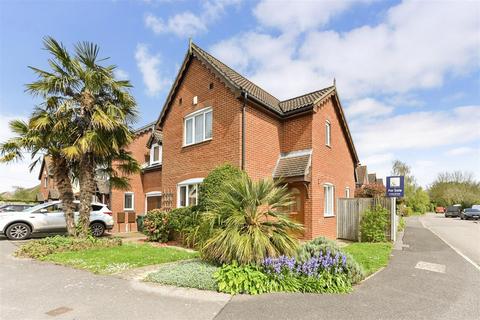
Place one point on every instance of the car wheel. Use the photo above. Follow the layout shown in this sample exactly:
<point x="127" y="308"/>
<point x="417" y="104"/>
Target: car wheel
<point x="98" y="229"/>
<point x="18" y="231"/>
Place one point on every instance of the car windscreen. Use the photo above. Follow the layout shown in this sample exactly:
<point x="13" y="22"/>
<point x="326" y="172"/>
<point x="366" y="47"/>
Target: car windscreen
<point x="37" y="207"/>
<point x="472" y="210"/>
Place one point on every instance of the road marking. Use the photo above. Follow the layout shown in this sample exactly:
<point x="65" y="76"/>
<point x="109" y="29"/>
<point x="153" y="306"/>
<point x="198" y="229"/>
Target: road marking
<point x="448" y="244"/>
<point x="434" y="267"/>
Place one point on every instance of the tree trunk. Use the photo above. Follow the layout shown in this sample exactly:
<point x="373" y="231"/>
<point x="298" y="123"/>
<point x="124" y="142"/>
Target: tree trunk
<point x="64" y="186"/>
<point x="87" y="189"/>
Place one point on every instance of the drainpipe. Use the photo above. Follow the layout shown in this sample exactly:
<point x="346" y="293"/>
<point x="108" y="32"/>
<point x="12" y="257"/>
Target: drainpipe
<point x="244" y="109"/>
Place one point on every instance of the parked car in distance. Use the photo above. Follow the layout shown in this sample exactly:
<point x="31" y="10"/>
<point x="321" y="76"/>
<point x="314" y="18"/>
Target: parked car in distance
<point x="50" y="218"/>
<point x="476" y="206"/>
<point x="439" y="209"/>
<point x="470" y="213"/>
<point x="453" y="211"/>
<point x="14" y="207"/>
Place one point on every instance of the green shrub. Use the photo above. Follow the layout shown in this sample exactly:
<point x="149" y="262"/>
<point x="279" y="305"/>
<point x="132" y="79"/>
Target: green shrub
<point x="212" y="185"/>
<point x="190" y="225"/>
<point x="401" y="224"/>
<point x="321" y="245"/>
<point x="189" y="274"/>
<point x="41" y="248"/>
<point x="250" y="223"/>
<point x="156" y="225"/>
<point x="374" y="224"/>
<point x="234" y="279"/>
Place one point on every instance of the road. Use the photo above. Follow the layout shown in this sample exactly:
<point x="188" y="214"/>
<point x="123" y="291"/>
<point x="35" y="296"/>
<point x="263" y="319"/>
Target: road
<point x="463" y="235"/>
<point x="425" y="280"/>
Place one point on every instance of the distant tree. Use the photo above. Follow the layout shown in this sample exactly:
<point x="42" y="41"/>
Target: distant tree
<point x="455" y="188"/>
<point x="414" y="197"/>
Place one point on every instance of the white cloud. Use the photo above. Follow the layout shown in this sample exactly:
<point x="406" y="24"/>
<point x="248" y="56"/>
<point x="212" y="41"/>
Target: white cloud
<point x="298" y="16"/>
<point x="418" y="130"/>
<point x="15" y="173"/>
<point x="416" y="46"/>
<point x="120" y="74"/>
<point x="461" y="151"/>
<point x="149" y="66"/>
<point x="188" y="24"/>
<point x="367" y="107"/>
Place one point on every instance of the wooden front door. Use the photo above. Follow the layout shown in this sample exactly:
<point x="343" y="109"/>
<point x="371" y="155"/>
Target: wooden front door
<point x="297" y="206"/>
<point x="154" y="202"/>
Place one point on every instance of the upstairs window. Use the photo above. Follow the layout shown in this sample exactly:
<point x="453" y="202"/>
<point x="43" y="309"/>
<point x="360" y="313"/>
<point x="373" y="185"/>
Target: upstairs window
<point x="198" y="127"/>
<point x="155" y="154"/>
<point x="45" y="182"/>
<point x="328" y="133"/>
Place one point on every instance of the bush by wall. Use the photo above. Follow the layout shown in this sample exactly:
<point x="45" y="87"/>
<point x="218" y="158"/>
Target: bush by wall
<point x="156" y="225"/>
<point x="43" y="247"/>
<point x="373" y="225"/>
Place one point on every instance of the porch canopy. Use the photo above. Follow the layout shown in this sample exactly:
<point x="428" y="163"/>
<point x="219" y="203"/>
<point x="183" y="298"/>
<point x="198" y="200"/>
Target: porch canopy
<point x="294" y="166"/>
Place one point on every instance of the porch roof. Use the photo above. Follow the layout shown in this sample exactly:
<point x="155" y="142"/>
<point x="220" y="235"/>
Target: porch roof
<point x="293" y="164"/>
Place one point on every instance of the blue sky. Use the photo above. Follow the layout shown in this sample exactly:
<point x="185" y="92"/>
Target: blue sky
<point x="407" y="72"/>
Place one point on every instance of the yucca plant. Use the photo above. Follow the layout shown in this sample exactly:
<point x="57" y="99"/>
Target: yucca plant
<point x="250" y="223"/>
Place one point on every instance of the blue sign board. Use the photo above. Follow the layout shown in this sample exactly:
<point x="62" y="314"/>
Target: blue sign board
<point x="395" y="186"/>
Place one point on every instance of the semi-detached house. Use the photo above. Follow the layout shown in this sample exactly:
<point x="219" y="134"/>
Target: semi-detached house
<point x="213" y="115"/>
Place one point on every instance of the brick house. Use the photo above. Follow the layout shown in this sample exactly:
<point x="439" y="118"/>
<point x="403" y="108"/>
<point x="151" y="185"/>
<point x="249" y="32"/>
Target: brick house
<point x="213" y="115"/>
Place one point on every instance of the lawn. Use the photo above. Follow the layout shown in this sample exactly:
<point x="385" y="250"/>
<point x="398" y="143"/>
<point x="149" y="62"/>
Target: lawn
<point x="371" y="256"/>
<point x="118" y="259"/>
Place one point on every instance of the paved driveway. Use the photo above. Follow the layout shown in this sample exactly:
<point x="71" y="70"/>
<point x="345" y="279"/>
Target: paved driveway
<point x="464" y="235"/>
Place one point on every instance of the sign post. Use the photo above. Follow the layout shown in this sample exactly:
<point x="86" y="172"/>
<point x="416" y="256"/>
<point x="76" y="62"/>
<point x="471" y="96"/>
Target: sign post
<point x="395" y="188"/>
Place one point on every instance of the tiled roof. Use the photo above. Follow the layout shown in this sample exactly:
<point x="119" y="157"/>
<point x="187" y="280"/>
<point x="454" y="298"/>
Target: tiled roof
<point x="372" y="177"/>
<point x="53" y="194"/>
<point x="260" y="94"/>
<point x="147" y="127"/>
<point x="304" y="100"/>
<point x="155" y="137"/>
<point x="293" y="164"/>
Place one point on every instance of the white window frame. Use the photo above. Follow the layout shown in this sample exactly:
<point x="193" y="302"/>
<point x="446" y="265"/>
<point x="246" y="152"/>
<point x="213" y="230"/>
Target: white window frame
<point x="152" y="153"/>
<point x="187" y="183"/>
<point x="328" y="204"/>
<point x="192" y="116"/>
<point x="328" y="133"/>
<point x="133" y="201"/>
<point x="45" y="182"/>
<point x="347" y="192"/>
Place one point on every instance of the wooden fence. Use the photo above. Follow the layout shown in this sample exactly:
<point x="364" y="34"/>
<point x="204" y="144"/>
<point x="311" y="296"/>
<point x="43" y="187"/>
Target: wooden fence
<point x="349" y="215"/>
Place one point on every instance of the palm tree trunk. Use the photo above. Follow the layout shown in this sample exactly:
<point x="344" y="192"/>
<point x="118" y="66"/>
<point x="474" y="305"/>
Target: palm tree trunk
<point x="64" y="186"/>
<point x="87" y="189"/>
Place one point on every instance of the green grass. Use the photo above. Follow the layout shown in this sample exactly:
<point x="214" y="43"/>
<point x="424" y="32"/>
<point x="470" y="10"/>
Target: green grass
<point x="370" y="256"/>
<point x="189" y="274"/>
<point x="118" y="259"/>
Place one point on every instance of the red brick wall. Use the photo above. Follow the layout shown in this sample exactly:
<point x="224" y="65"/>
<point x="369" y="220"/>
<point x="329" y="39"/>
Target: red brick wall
<point x="263" y="139"/>
<point x="152" y="181"/>
<point x="139" y="150"/>
<point x="329" y="165"/>
<point x="297" y="133"/>
<point x="196" y="161"/>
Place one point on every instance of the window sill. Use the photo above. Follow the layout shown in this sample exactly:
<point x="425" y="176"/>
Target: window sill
<point x="196" y="143"/>
<point x="329" y="216"/>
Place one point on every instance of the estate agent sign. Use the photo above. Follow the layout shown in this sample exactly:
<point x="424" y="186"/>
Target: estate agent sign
<point x="395" y="186"/>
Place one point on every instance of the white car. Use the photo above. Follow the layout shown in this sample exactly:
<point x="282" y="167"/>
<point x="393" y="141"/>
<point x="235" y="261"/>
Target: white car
<point x="49" y="217"/>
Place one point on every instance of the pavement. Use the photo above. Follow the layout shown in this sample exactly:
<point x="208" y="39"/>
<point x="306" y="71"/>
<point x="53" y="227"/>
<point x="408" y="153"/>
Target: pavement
<point x="426" y="279"/>
<point x="463" y="235"/>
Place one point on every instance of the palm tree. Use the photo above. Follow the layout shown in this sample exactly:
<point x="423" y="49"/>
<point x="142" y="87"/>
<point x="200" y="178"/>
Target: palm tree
<point x="251" y="223"/>
<point x="43" y="134"/>
<point x="97" y="109"/>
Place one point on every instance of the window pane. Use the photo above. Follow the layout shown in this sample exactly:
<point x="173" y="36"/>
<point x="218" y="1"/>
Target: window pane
<point x="189" y="131"/>
<point x="208" y="125"/>
<point x="128" y="201"/>
<point x="327" y="134"/>
<point x="199" y="128"/>
<point x="192" y="195"/>
<point x="183" y="196"/>
<point x="155" y="153"/>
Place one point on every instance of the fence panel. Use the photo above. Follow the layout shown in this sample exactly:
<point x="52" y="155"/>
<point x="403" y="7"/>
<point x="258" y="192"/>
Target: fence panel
<point x="349" y="215"/>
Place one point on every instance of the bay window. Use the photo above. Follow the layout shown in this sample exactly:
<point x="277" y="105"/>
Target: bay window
<point x="198" y="127"/>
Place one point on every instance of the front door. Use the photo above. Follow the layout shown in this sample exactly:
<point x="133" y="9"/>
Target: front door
<point x="154" y="202"/>
<point x="296" y="208"/>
